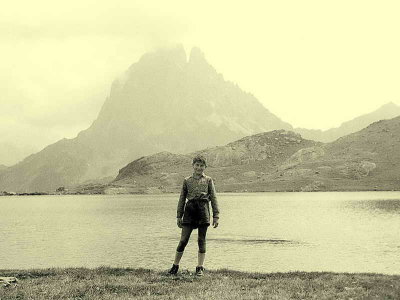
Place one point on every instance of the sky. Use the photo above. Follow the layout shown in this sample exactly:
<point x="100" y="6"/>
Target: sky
<point x="314" y="64"/>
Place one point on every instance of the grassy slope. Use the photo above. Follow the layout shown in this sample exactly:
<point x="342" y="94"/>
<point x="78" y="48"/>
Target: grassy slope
<point x="112" y="283"/>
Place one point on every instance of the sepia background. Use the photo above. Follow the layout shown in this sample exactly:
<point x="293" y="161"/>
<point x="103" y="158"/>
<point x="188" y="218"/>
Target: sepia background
<point x="282" y="98"/>
<point x="314" y="64"/>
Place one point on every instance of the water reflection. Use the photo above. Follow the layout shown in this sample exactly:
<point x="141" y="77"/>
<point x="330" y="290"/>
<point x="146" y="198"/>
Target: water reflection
<point x="260" y="232"/>
<point x="252" y="241"/>
<point x="386" y="206"/>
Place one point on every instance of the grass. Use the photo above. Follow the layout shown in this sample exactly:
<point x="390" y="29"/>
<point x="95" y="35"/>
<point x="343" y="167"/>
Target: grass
<point x="119" y="283"/>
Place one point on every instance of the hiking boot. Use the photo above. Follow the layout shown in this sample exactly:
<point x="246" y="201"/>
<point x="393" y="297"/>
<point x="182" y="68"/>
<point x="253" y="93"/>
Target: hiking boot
<point x="199" y="271"/>
<point x="174" y="269"/>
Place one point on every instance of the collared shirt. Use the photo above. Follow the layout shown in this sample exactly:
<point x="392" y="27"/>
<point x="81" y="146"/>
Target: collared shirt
<point x="201" y="187"/>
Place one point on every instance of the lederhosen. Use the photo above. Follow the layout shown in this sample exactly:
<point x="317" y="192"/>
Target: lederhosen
<point x="197" y="212"/>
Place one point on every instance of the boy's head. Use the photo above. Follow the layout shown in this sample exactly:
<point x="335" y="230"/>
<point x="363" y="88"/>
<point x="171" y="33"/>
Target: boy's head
<point x="199" y="164"/>
<point x="199" y="159"/>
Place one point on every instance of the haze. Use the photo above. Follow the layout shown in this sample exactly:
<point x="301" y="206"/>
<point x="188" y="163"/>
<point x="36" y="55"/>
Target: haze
<point x="314" y="64"/>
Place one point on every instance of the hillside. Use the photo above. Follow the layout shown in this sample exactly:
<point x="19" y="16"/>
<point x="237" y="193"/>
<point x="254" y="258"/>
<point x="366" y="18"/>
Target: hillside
<point x="387" y="111"/>
<point x="159" y="104"/>
<point x="279" y="161"/>
<point x="234" y="167"/>
<point x="366" y="160"/>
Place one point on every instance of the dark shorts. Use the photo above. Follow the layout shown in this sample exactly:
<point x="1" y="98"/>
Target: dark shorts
<point x="197" y="213"/>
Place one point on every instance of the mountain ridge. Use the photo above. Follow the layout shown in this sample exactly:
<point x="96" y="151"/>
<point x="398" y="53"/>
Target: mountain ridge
<point x="243" y="159"/>
<point x="365" y="160"/>
<point x="160" y="103"/>
<point x="386" y="111"/>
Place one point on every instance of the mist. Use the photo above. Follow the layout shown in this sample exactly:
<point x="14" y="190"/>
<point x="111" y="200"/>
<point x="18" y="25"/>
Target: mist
<point x="313" y="64"/>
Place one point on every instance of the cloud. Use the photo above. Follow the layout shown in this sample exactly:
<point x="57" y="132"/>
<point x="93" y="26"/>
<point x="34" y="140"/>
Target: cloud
<point x="62" y="56"/>
<point x="92" y="19"/>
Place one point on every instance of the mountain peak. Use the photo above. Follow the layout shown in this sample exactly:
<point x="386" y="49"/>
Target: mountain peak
<point x="174" y="54"/>
<point x="196" y="55"/>
<point x="389" y="105"/>
<point x="163" y="102"/>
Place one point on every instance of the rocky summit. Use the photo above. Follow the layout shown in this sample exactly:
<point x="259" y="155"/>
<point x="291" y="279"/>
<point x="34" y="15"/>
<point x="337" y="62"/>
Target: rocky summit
<point x="164" y="102"/>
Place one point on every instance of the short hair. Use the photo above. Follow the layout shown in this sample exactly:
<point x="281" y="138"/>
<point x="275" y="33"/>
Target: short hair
<point x="199" y="158"/>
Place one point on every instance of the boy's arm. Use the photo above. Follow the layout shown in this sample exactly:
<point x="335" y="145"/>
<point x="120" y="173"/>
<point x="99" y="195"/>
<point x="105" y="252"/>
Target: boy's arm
<point x="182" y="200"/>
<point x="213" y="198"/>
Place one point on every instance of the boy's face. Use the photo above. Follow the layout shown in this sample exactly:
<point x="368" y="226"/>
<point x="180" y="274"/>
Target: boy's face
<point x="198" y="168"/>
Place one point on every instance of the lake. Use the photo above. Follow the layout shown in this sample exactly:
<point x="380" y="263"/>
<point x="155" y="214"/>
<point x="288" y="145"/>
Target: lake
<point x="258" y="232"/>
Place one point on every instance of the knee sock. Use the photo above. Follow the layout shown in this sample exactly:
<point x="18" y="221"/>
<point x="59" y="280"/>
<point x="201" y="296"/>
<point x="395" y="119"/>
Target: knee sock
<point x="178" y="256"/>
<point x="200" y="259"/>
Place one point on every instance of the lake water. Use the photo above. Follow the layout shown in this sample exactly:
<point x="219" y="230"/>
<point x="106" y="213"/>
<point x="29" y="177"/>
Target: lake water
<point x="261" y="232"/>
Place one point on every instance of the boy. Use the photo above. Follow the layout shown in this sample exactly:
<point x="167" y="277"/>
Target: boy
<point x="198" y="189"/>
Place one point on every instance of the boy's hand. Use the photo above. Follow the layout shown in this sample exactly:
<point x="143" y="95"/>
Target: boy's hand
<point x="179" y="222"/>
<point x="215" y="222"/>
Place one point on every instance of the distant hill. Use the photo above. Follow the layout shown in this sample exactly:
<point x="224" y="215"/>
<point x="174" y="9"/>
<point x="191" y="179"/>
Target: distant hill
<point x="279" y="161"/>
<point x="387" y="111"/>
<point x="232" y="166"/>
<point x="366" y="160"/>
<point x="164" y="102"/>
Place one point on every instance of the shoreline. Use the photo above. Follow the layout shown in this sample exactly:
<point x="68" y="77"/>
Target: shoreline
<point x="6" y="194"/>
<point x="123" y="283"/>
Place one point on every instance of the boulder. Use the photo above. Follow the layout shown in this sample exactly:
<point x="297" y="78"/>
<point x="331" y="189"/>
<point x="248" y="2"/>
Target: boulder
<point x="6" y="281"/>
<point x="305" y="155"/>
<point x="367" y="167"/>
<point x="249" y="174"/>
<point x="313" y="187"/>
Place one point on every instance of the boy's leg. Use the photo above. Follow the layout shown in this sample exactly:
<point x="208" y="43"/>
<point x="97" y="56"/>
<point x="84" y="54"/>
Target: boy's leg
<point x="178" y="256"/>
<point x="185" y="235"/>
<point x="202" y="245"/>
<point x="200" y="259"/>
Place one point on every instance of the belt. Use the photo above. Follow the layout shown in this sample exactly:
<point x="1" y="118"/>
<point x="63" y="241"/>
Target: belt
<point x="200" y="200"/>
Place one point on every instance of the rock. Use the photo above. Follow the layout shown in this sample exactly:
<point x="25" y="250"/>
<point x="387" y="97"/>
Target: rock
<point x="230" y="180"/>
<point x="304" y="155"/>
<point x="313" y="187"/>
<point x="5" y="193"/>
<point x="299" y="172"/>
<point x="8" y="280"/>
<point x="249" y="174"/>
<point x="367" y="167"/>
<point x="61" y="190"/>
<point x="115" y="191"/>
<point x="307" y="154"/>
<point x="324" y="168"/>
<point x="152" y="190"/>
<point x="354" y="170"/>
